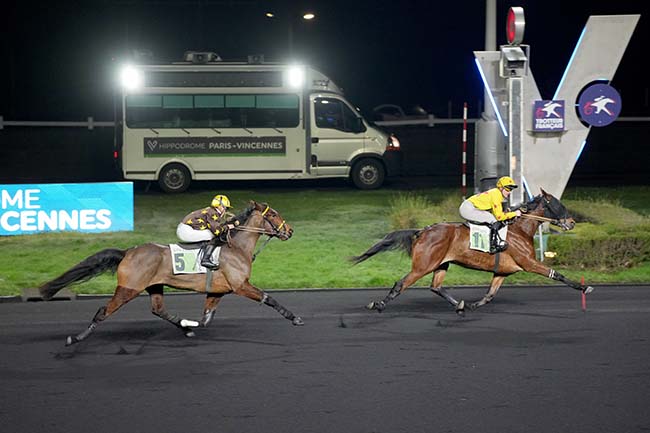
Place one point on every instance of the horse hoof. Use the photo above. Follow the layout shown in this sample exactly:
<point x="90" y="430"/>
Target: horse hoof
<point x="189" y="323"/>
<point x="297" y="321"/>
<point x="460" y="308"/>
<point x="587" y="290"/>
<point x="473" y="306"/>
<point x="70" y="340"/>
<point x="190" y="334"/>
<point x="371" y="305"/>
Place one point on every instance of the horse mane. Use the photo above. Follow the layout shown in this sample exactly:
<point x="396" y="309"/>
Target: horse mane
<point x="533" y="203"/>
<point x="245" y="214"/>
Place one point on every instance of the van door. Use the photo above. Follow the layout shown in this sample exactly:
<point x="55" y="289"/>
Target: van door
<point x="337" y="133"/>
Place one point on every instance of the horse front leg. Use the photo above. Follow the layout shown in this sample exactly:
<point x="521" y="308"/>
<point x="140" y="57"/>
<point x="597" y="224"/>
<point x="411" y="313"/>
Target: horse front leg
<point x="495" y="285"/>
<point x="536" y="267"/>
<point x="211" y="302"/>
<point x="252" y="292"/>
<point x="559" y="277"/>
<point x="158" y="309"/>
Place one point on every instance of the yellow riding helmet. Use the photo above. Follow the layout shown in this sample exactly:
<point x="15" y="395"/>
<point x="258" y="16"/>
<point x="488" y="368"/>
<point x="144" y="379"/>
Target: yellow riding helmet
<point x="221" y="200"/>
<point x="506" y="182"/>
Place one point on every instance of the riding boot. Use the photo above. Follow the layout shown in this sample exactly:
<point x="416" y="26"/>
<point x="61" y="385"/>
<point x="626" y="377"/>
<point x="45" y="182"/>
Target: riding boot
<point x="206" y="256"/>
<point x="496" y="243"/>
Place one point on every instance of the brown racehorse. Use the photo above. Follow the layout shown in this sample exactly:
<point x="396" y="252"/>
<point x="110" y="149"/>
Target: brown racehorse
<point x="433" y="248"/>
<point x="149" y="267"/>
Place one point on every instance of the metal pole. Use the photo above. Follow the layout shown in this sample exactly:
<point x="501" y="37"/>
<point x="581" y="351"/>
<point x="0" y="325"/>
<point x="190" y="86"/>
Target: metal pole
<point x="515" y="87"/>
<point x="464" y="166"/>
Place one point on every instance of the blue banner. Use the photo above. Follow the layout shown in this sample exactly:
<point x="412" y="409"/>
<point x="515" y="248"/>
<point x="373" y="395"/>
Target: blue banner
<point x="56" y="207"/>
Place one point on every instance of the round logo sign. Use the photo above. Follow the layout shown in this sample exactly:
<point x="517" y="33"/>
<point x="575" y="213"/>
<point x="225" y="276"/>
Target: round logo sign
<point x="599" y="104"/>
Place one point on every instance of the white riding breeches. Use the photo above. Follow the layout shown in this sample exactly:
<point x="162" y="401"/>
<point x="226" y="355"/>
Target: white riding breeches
<point x="187" y="234"/>
<point x="470" y="213"/>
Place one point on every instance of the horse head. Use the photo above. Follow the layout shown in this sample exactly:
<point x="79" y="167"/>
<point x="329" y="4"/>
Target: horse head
<point x="274" y="224"/>
<point x="552" y="208"/>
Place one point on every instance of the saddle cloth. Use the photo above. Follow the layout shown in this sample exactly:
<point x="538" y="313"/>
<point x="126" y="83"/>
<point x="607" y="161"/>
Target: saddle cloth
<point x="479" y="236"/>
<point x="186" y="258"/>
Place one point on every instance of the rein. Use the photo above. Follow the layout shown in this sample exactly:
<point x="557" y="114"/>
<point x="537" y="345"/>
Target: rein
<point x="262" y="231"/>
<point x="539" y="218"/>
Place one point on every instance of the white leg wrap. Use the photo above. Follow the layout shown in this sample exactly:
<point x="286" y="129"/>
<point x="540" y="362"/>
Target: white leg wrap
<point x="189" y="323"/>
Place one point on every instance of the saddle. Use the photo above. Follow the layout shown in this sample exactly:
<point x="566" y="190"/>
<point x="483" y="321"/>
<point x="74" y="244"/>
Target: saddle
<point x="480" y="237"/>
<point x="186" y="257"/>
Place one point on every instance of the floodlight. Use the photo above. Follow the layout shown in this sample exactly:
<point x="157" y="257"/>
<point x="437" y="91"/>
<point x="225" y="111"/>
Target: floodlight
<point x="131" y="78"/>
<point x="296" y="76"/>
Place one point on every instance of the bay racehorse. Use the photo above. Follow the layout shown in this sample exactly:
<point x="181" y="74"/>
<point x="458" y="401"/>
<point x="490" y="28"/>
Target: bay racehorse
<point x="149" y="267"/>
<point x="433" y="248"/>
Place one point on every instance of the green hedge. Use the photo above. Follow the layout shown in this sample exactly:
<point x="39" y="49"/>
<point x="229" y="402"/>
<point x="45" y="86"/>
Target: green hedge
<point x="600" y="251"/>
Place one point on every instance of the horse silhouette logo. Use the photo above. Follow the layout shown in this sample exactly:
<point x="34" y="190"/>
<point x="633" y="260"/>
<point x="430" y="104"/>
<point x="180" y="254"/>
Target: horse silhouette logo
<point x="599" y="105"/>
<point x="548" y="116"/>
<point x="549" y="108"/>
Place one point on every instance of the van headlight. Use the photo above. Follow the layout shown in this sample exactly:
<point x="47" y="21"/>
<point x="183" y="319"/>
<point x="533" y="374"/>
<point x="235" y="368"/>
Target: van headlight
<point x="393" y="143"/>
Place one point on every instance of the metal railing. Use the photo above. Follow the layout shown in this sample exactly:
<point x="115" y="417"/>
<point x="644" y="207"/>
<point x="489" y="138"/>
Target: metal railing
<point x="90" y="123"/>
<point x="429" y="121"/>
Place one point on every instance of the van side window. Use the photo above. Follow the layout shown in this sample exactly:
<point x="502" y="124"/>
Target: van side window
<point x="333" y="113"/>
<point x="213" y="111"/>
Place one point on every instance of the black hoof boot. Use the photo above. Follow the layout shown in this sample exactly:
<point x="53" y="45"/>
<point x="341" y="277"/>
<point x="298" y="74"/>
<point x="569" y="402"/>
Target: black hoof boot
<point x="376" y="305"/>
<point x="460" y="308"/>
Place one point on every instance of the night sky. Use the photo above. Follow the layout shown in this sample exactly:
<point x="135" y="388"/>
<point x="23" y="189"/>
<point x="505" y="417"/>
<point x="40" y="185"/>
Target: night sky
<point x="60" y="58"/>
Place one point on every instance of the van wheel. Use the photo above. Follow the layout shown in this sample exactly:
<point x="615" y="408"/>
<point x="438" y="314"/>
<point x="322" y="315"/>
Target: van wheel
<point x="174" y="178"/>
<point x="368" y="173"/>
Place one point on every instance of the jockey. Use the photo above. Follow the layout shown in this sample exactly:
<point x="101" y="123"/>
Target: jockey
<point x="208" y="224"/>
<point x="487" y="207"/>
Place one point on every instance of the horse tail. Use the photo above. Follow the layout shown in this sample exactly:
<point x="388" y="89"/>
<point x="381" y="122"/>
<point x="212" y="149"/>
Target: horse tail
<point x="98" y="263"/>
<point x="402" y="239"/>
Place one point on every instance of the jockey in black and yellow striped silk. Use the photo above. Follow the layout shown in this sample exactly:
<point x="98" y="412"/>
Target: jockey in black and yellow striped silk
<point x="208" y="224"/>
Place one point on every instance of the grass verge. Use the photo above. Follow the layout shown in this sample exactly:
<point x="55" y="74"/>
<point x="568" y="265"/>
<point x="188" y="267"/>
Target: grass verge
<point x="330" y="226"/>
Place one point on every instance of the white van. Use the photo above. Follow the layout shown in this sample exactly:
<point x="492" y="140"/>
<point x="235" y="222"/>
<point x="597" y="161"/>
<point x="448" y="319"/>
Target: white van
<point x="205" y="119"/>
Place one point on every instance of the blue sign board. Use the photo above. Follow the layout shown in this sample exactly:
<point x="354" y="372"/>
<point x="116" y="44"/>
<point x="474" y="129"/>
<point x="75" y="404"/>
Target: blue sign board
<point x="548" y="116"/>
<point x="599" y="105"/>
<point x="52" y="207"/>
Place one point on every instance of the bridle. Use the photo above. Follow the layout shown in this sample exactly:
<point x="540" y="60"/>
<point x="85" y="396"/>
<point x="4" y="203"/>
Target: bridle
<point x="276" y="229"/>
<point x="561" y="222"/>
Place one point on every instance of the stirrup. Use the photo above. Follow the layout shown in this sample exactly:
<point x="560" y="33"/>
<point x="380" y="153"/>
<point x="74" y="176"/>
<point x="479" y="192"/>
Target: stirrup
<point x="499" y="247"/>
<point x="209" y="265"/>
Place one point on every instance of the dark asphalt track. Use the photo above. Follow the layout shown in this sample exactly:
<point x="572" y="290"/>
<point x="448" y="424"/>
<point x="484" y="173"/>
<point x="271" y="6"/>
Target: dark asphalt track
<point x="531" y="361"/>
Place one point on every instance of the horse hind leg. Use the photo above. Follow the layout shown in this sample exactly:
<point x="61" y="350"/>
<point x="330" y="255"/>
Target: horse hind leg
<point x="497" y="281"/>
<point x="158" y="309"/>
<point x="397" y="289"/>
<point x="436" y="287"/>
<point x="121" y="296"/>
